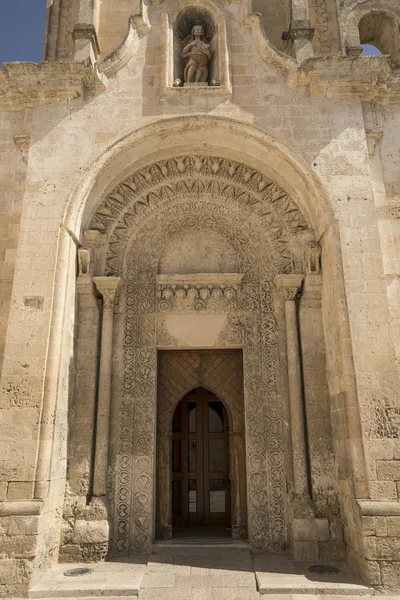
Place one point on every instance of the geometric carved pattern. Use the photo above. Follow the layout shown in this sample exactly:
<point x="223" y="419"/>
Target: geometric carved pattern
<point x="220" y="372"/>
<point x="137" y="235"/>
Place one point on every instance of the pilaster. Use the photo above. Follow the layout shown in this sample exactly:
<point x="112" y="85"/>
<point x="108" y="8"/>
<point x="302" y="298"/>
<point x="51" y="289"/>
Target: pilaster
<point x="108" y="288"/>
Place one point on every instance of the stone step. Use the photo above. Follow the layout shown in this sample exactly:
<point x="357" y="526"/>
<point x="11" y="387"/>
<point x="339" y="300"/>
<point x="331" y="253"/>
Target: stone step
<point x="84" y="594"/>
<point x="199" y="593"/>
<point x="104" y="580"/>
<point x="282" y="575"/>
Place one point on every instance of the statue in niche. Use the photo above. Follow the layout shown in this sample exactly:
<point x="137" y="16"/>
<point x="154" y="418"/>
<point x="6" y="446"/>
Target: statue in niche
<point x="198" y="54"/>
<point x="313" y="257"/>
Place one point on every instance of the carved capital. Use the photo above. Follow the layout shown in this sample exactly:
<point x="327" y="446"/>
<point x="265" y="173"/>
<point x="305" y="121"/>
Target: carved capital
<point x="288" y="286"/>
<point x="23" y="142"/>
<point x="108" y="288"/>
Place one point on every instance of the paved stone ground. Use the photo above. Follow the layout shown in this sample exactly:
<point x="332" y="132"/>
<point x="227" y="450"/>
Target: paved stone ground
<point x="200" y="573"/>
<point x="183" y="573"/>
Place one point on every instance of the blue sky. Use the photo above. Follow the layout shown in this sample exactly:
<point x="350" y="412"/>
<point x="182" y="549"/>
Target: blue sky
<point x="21" y="30"/>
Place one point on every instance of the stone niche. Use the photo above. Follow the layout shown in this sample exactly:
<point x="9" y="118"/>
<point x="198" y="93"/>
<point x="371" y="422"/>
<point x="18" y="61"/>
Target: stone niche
<point x="210" y="74"/>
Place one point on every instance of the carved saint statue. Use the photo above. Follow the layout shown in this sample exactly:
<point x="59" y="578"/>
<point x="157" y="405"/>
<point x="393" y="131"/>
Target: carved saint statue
<point x="198" y="53"/>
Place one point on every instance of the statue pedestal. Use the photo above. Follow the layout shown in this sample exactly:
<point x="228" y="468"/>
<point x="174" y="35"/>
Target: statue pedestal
<point x="199" y="84"/>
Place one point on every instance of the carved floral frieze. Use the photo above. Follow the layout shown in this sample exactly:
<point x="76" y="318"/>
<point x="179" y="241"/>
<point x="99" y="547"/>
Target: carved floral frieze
<point x="196" y="290"/>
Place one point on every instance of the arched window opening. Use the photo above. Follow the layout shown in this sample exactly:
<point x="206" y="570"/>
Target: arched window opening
<point x="370" y="50"/>
<point x="379" y="34"/>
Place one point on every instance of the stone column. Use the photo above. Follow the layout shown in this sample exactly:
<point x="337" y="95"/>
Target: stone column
<point x="85" y="384"/>
<point x="288" y="286"/>
<point x="108" y="288"/>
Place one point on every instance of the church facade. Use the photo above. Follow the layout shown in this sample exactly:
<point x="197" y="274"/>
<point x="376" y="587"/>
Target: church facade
<point x="200" y="301"/>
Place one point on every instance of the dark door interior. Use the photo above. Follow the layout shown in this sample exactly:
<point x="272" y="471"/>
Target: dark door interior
<point x="200" y="461"/>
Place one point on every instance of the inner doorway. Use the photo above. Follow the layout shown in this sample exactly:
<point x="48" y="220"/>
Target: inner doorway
<point x="200" y="462"/>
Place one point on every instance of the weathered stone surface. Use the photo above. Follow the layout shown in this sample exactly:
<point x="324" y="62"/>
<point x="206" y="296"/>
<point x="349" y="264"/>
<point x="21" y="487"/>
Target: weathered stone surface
<point x="310" y="529"/>
<point x="388" y="470"/>
<point x="390" y="574"/>
<point x="280" y="168"/>
<point x="86" y="532"/>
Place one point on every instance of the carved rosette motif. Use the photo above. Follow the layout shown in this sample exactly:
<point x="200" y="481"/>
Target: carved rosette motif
<point x="141" y="217"/>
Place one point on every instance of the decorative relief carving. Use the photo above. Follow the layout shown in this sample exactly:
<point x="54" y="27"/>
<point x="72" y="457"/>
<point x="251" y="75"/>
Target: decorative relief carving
<point x="288" y="293"/>
<point x="129" y="205"/>
<point x="323" y="32"/>
<point x="145" y="328"/>
<point x="288" y="286"/>
<point x="108" y="288"/>
<point x="198" y="291"/>
<point x="141" y="217"/>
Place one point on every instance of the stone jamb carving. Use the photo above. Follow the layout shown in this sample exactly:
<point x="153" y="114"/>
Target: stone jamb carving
<point x="265" y="448"/>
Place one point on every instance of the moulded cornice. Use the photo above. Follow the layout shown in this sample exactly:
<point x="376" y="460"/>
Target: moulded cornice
<point x="372" y="79"/>
<point x="26" y="84"/>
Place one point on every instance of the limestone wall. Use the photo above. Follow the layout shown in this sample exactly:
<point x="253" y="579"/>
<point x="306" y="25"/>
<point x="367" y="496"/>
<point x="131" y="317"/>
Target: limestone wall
<point x="74" y="124"/>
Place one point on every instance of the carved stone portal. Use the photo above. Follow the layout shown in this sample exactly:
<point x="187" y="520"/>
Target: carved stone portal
<point x="227" y="208"/>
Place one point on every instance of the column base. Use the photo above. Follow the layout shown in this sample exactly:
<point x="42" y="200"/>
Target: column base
<point x="85" y="530"/>
<point x="306" y="537"/>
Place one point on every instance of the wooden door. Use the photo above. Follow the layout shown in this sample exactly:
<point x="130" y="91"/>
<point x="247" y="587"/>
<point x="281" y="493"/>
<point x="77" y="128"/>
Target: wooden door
<point x="200" y="461"/>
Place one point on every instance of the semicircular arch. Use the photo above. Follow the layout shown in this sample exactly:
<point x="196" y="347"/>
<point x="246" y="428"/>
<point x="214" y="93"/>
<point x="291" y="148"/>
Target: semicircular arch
<point x="223" y="137"/>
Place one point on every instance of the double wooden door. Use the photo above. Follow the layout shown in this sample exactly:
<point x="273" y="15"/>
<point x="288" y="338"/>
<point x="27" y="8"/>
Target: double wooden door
<point x="200" y="461"/>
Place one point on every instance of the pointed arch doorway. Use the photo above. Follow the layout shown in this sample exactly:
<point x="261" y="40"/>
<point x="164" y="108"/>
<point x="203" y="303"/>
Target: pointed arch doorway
<point x="200" y="461"/>
<point x="201" y="450"/>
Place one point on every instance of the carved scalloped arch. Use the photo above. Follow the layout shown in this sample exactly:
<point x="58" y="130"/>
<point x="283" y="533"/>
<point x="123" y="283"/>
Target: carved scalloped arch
<point x="126" y="208"/>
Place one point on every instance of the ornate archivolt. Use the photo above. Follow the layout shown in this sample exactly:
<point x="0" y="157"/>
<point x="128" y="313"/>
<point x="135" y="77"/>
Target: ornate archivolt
<point x="244" y="189"/>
